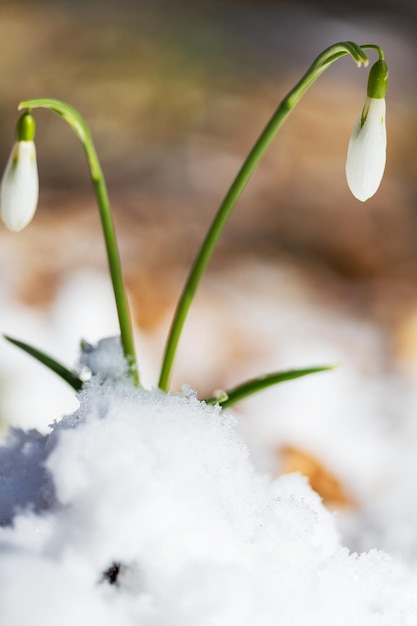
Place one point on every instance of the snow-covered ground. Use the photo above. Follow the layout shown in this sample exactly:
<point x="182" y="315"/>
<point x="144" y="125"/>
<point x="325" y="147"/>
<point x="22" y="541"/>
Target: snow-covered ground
<point x="176" y="502"/>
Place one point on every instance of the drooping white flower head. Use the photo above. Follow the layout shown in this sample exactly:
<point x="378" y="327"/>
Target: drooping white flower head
<point x="366" y="157"/>
<point x="20" y="186"/>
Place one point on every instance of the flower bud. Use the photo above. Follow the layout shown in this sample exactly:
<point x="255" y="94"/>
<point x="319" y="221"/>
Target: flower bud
<point x="366" y="157"/>
<point x="19" y="186"/>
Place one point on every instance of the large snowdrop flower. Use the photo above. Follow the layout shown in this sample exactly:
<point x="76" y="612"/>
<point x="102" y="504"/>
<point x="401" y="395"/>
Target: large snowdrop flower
<point x="20" y="187"/>
<point x="365" y="162"/>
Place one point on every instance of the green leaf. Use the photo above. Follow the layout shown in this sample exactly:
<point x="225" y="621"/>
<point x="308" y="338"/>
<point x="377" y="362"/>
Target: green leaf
<point x="59" y="369"/>
<point x="227" y="398"/>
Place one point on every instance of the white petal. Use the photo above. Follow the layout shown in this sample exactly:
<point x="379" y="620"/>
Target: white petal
<point x="365" y="162"/>
<point x="19" y="186"/>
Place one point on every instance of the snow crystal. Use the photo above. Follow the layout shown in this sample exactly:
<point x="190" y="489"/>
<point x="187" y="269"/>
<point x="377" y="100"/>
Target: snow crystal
<point x="105" y="358"/>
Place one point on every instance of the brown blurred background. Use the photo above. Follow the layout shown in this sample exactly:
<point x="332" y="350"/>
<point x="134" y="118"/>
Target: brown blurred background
<point x="175" y="93"/>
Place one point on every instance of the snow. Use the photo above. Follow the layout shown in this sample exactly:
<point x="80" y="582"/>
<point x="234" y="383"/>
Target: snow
<point x="24" y="480"/>
<point x="164" y="486"/>
<point x="179" y="497"/>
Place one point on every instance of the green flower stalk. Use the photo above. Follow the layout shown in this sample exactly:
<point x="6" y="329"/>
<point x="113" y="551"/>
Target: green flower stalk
<point x="321" y="63"/>
<point x="77" y="123"/>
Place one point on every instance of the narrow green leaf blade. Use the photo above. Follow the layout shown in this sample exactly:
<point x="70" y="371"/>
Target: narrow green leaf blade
<point x="258" y="384"/>
<point x="59" y="369"/>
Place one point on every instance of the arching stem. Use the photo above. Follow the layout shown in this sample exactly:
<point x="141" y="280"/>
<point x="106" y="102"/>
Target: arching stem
<point x="322" y="62"/>
<point x="77" y="123"/>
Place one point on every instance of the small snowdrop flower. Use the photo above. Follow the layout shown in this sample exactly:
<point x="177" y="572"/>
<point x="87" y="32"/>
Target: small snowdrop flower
<point x="365" y="162"/>
<point x="19" y="186"/>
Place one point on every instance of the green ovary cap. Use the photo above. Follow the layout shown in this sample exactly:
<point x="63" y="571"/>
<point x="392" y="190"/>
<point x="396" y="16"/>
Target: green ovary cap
<point x="25" y="129"/>
<point x="378" y="80"/>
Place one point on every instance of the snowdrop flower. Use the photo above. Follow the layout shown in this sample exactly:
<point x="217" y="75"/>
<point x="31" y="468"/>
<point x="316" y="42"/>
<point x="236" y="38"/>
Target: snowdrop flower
<point x="19" y="186"/>
<point x="365" y="162"/>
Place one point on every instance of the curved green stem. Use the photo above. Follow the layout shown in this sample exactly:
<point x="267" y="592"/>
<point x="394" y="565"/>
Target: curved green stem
<point x="372" y="46"/>
<point x="322" y="62"/>
<point x="77" y="123"/>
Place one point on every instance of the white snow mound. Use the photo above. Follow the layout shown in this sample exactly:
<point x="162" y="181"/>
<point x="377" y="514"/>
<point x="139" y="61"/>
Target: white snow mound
<point x="159" y="491"/>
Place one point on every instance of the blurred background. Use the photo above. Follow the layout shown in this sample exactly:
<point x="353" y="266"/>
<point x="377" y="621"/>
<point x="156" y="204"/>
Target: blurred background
<point x="175" y="93"/>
